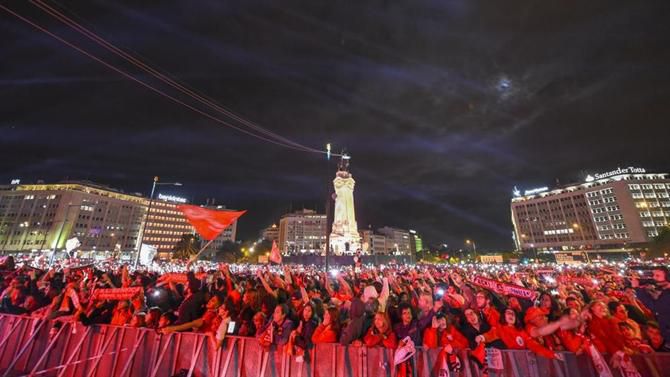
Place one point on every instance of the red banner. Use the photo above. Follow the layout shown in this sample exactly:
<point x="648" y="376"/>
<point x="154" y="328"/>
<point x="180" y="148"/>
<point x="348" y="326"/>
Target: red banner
<point x="587" y="282"/>
<point x="275" y="255"/>
<point x="504" y="289"/>
<point x="179" y="277"/>
<point x="209" y="223"/>
<point x="117" y="293"/>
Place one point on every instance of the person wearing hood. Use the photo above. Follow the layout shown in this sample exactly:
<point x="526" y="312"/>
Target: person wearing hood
<point x="354" y="330"/>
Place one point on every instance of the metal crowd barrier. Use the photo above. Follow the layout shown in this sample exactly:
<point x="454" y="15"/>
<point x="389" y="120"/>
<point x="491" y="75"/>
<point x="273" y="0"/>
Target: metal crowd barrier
<point x="28" y="349"/>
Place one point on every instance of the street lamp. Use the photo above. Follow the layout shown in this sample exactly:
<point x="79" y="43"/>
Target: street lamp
<point x="146" y="219"/>
<point x="474" y="247"/>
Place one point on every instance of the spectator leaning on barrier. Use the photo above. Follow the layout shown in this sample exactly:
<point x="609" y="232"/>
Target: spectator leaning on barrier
<point x="380" y="333"/>
<point x="408" y="326"/>
<point x="371" y="307"/>
<point x="510" y="331"/>
<point x="655" y="338"/>
<point x="209" y="321"/>
<point x="329" y="330"/>
<point x="656" y="297"/>
<point x="278" y="329"/>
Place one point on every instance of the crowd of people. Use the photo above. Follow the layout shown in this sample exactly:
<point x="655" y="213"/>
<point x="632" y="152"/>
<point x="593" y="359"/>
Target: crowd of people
<point x="546" y="309"/>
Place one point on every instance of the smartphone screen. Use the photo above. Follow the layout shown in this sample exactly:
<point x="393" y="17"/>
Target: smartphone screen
<point x="231" y="327"/>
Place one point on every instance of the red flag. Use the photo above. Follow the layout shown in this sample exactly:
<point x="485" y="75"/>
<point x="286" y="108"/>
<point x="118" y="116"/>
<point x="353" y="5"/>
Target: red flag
<point x="209" y="223"/>
<point x="275" y="255"/>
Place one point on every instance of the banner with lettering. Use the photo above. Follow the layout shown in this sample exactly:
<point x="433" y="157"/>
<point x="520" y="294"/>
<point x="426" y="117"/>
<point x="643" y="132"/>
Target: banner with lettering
<point x="117" y="293"/>
<point x="179" y="277"/>
<point x="504" y="289"/>
<point x="587" y="282"/>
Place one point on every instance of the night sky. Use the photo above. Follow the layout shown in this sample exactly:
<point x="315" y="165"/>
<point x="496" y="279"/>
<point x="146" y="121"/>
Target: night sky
<point x="444" y="105"/>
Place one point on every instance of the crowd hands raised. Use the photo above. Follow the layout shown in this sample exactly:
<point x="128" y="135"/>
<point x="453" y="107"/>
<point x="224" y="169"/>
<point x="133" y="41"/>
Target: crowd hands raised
<point x="294" y="307"/>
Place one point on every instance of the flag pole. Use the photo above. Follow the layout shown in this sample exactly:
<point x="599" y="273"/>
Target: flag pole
<point x="202" y="249"/>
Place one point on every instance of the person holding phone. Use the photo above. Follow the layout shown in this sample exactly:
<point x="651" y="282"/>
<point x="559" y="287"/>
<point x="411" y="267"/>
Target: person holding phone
<point x="227" y="314"/>
<point x="656" y="296"/>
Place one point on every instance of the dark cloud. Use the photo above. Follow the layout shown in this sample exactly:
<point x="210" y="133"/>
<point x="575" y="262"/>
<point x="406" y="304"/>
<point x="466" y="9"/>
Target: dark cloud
<point x="444" y="105"/>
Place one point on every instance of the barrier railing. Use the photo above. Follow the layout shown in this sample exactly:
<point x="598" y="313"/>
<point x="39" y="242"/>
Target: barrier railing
<point x="34" y="347"/>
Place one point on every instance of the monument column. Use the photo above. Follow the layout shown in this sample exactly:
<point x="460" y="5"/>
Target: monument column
<point x="344" y="238"/>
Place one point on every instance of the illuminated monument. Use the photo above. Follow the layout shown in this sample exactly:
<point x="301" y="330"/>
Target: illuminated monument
<point x="344" y="238"/>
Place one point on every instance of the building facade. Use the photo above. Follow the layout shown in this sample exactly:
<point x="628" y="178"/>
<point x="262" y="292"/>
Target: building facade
<point x="623" y="208"/>
<point x="302" y="232"/>
<point x="373" y="243"/>
<point x="43" y="217"/>
<point x="416" y="243"/>
<point x="271" y="233"/>
<point x="397" y="240"/>
<point x="165" y="226"/>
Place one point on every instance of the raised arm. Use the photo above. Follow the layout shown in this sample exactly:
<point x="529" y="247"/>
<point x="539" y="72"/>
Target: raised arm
<point x="345" y="286"/>
<point x="384" y="295"/>
<point x="184" y="326"/>
<point x="267" y="287"/>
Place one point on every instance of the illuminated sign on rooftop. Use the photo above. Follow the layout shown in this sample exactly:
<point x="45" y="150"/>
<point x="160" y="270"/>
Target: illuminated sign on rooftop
<point x="516" y="192"/>
<point x="172" y="198"/>
<point x="536" y="190"/>
<point x="618" y="171"/>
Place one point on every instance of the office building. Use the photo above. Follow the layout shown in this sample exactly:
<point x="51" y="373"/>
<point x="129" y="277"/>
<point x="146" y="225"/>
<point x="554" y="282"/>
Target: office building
<point x="302" y="232"/>
<point x="397" y="240"/>
<point x="271" y="233"/>
<point x="626" y="207"/>
<point x="42" y="217"/>
<point x="373" y="243"/>
<point x="106" y="221"/>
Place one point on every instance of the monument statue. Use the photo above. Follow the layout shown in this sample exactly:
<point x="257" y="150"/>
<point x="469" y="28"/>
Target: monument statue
<point x="344" y="238"/>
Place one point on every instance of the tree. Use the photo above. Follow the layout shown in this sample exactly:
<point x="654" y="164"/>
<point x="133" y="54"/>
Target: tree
<point x="263" y="247"/>
<point x="661" y="243"/>
<point x="188" y="246"/>
<point x="229" y="252"/>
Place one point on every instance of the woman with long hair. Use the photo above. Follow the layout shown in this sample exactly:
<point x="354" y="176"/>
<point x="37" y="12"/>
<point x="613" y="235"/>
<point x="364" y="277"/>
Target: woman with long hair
<point x="301" y="337"/>
<point x="380" y="333"/>
<point x="549" y="306"/>
<point x="251" y="304"/>
<point x="329" y="330"/>
<point x="510" y="330"/>
<point x="604" y="329"/>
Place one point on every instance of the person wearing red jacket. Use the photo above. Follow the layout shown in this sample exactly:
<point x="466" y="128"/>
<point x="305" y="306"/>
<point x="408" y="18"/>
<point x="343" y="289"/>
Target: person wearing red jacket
<point x="443" y="333"/>
<point x="536" y="319"/>
<point x="573" y="339"/>
<point x="329" y="330"/>
<point x="380" y="333"/>
<point x="483" y="299"/>
<point x="604" y="329"/>
<point x="511" y="332"/>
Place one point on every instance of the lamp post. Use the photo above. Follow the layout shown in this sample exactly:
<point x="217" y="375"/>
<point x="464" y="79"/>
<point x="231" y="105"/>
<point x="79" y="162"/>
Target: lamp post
<point x="146" y="219"/>
<point x="474" y="247"/>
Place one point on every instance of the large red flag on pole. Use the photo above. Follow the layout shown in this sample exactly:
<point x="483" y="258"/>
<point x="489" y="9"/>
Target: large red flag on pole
<point x="209" y="223"/>
<point x="275" y="255"/>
